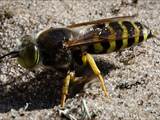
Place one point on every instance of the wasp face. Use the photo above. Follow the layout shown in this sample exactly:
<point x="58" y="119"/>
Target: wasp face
<point x="28" y="56"/>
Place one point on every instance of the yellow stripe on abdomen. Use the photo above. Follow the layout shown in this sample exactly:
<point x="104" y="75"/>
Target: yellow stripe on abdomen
<point x="136" y="32"/>
<point x="98" y="48"/>
<point x="124" y="35"/>
<point x="112" y="46"/>
<point x="145" y="33"/>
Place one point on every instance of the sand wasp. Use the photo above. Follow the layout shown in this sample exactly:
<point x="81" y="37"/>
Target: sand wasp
<point x="66" y="49"/>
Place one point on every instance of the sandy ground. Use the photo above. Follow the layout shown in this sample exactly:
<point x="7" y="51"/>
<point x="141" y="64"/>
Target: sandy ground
<point x="133" y="75"/>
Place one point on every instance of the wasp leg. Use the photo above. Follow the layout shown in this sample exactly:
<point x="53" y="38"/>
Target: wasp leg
<point x="87" y="58"/>
<point x="70" y="76"/>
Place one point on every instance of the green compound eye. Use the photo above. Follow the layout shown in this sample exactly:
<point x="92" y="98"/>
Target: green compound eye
<point x="27" y="54"/>
<point x="28" y="57"/>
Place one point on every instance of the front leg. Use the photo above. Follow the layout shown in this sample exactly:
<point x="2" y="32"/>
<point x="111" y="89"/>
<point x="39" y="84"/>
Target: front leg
<point x="70" y="76"/>
<point x="88" y="59"/>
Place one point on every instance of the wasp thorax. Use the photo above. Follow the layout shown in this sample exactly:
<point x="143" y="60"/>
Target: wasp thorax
<point x="28" y="52"/>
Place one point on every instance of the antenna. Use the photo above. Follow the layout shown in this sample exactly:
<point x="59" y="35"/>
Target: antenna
<point x="12" y="54"/>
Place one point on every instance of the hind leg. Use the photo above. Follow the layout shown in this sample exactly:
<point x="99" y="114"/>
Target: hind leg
<point x="88" y="59"/>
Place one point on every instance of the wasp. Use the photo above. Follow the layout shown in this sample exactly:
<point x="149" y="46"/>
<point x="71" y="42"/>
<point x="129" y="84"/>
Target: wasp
<point x="66" y="49"/>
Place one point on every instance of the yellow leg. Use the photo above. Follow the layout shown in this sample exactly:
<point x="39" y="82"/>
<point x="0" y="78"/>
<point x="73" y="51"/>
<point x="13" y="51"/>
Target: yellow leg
<point x="87" y="58"/>
<point x="65" y="88"/>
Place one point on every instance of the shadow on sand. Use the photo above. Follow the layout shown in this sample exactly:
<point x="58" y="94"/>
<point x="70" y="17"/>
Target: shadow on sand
<point x="41" y="92"/>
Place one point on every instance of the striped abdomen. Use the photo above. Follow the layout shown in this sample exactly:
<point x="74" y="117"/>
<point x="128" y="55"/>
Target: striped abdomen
<point x="118" y="35"/>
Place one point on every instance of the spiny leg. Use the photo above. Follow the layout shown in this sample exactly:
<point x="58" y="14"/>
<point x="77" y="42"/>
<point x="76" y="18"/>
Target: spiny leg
<point x="87" y="58"/>
<point x="66" y="82"/>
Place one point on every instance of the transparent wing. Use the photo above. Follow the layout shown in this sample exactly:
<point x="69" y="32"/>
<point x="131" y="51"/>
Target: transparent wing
<point x="95" y="38"/>
<point x="101" y="21"/>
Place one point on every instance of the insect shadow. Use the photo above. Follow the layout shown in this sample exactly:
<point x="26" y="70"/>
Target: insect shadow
<point x="41" y="92"/>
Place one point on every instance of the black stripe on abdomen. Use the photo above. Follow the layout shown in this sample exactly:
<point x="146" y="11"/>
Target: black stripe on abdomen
<point x="119" y="32"/>
<point x="105" y="44"/>
<point x="90" y="49"/>
<point x="131" y="32"/>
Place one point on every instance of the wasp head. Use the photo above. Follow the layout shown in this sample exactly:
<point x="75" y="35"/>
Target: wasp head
<point x="28" y="56"/>
<point x="27" y="53"/>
